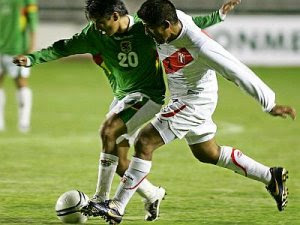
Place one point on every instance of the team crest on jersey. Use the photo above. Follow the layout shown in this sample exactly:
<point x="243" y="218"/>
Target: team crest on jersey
<point x="126" y="46"/>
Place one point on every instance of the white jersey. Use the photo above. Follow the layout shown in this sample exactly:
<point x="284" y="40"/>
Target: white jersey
<point x="191" y="61"/>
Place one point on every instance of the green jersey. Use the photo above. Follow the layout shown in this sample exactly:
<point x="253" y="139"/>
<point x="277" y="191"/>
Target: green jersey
<point x="17" y="19"/>
<point x="129" y="59"/>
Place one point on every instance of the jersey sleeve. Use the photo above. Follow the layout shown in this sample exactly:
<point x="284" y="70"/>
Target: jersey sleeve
<point x="208" y="20"/>
<point x="32" y="14"/>
<point x="79" y="44"/>
<point x="217" y="58"/>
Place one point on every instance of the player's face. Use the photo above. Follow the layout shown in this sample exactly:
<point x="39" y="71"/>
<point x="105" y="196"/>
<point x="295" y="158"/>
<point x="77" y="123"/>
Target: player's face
<point x="108" y="26"/>
<point x="161" y="34"/>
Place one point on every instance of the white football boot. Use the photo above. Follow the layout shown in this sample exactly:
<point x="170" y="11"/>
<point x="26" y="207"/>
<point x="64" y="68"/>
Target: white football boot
<point x="152" y="208"/>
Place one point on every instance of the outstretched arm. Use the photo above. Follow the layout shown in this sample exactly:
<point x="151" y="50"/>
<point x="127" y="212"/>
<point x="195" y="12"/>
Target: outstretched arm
<point x="217" y="16"/>
<point x="21" y="60"/>
<point x="217" y="58"/>
<point x="78" y="44"/>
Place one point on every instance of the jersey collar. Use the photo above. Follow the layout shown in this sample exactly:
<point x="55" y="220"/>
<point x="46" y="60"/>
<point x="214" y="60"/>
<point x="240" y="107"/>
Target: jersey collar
<point x="131" y="21"/>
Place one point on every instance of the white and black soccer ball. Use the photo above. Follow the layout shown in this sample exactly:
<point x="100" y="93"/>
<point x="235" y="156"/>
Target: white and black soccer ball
<point x="68" y="205"/>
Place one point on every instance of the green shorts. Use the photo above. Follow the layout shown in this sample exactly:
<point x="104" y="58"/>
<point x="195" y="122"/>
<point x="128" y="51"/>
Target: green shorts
<point x="135" y="110"/>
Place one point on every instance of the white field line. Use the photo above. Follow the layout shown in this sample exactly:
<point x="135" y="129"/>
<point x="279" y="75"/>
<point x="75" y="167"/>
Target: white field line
<point x="230" y="128"/>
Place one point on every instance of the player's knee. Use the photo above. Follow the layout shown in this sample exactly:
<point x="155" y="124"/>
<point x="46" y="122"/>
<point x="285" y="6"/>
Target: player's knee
<point x="21" y="82"/>
<point x="108" y="131"/>
<point x="143" y="145"/>
<point x="112" y="128"/>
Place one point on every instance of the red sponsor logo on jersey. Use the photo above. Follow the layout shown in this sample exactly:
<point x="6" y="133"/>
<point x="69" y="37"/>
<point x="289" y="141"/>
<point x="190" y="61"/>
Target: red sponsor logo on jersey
<point x="177" y="60"/>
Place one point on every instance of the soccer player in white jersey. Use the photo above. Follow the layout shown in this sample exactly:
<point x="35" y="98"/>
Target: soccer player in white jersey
<point x="129" y="59"/>
<point x="191" y="59"/>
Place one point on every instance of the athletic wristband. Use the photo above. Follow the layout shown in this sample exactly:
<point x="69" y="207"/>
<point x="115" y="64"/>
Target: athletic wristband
<point x="28" y="62"/>
<point x="222" y="15"/>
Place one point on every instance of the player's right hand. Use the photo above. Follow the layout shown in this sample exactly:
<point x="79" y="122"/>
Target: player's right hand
<point x="20" y="60"/>
<point x="229" y="6"/>
<point x="283" y="111"/>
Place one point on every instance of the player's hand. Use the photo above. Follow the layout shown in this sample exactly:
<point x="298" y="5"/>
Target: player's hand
<point x="20" y="60"/>
<point x="229" y="5"/>
<point x="283" y="111"/>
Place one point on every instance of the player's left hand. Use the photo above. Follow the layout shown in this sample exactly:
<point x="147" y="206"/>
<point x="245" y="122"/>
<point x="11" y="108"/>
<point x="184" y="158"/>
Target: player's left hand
<point x="229" y="5"/>
<point x="283" y="111"/>
<point x="20" y="60"/>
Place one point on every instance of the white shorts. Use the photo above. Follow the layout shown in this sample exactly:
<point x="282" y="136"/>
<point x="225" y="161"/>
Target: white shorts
<point x="189" y="118"/>
<point x="135" y="110"/>
<point x="7" y="66"/>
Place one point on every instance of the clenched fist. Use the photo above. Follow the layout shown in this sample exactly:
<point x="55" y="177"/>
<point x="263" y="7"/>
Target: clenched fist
<point x="20" y="60"/>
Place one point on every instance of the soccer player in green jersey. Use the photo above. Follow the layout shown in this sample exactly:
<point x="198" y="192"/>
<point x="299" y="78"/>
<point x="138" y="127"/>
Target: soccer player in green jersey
<point x="118" y="43"/>
<point x="18" y="22"/>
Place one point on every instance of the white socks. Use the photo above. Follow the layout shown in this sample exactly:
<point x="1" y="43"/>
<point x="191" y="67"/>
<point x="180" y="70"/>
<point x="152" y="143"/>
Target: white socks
<point x="235" y="160"/>
<point x="137" y="171"/>
<point x="147" y="190"/>
<point x="230" y="158"/>
<point x="107" y="167"/>
<point x="24" y="98"/>
<point x="2" y="106"/>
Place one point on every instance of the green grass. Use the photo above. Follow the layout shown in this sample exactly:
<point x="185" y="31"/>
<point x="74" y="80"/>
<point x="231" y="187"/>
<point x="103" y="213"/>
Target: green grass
<point x="61" y="153"/>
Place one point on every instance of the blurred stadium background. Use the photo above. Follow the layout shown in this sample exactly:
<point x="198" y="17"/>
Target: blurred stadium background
<point x="71" y="98"/>
<point x="61" y="10"/>
<point x="257" y="32"/>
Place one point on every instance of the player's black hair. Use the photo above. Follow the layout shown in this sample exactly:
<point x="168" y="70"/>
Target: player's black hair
<point x="156" y="12"/>
<point x="104" y="8"/>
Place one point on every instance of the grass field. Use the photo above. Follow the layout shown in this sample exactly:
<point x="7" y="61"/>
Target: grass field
<point x="61" y="153"/>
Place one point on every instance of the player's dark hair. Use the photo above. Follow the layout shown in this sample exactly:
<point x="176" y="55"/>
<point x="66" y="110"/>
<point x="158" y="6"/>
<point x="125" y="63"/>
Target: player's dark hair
<point x="104" y="8"/>
<point x="156" y="12"/>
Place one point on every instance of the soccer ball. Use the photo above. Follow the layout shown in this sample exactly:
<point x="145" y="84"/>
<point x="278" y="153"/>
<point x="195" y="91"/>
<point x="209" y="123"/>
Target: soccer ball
<point x="68" y="205"/>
